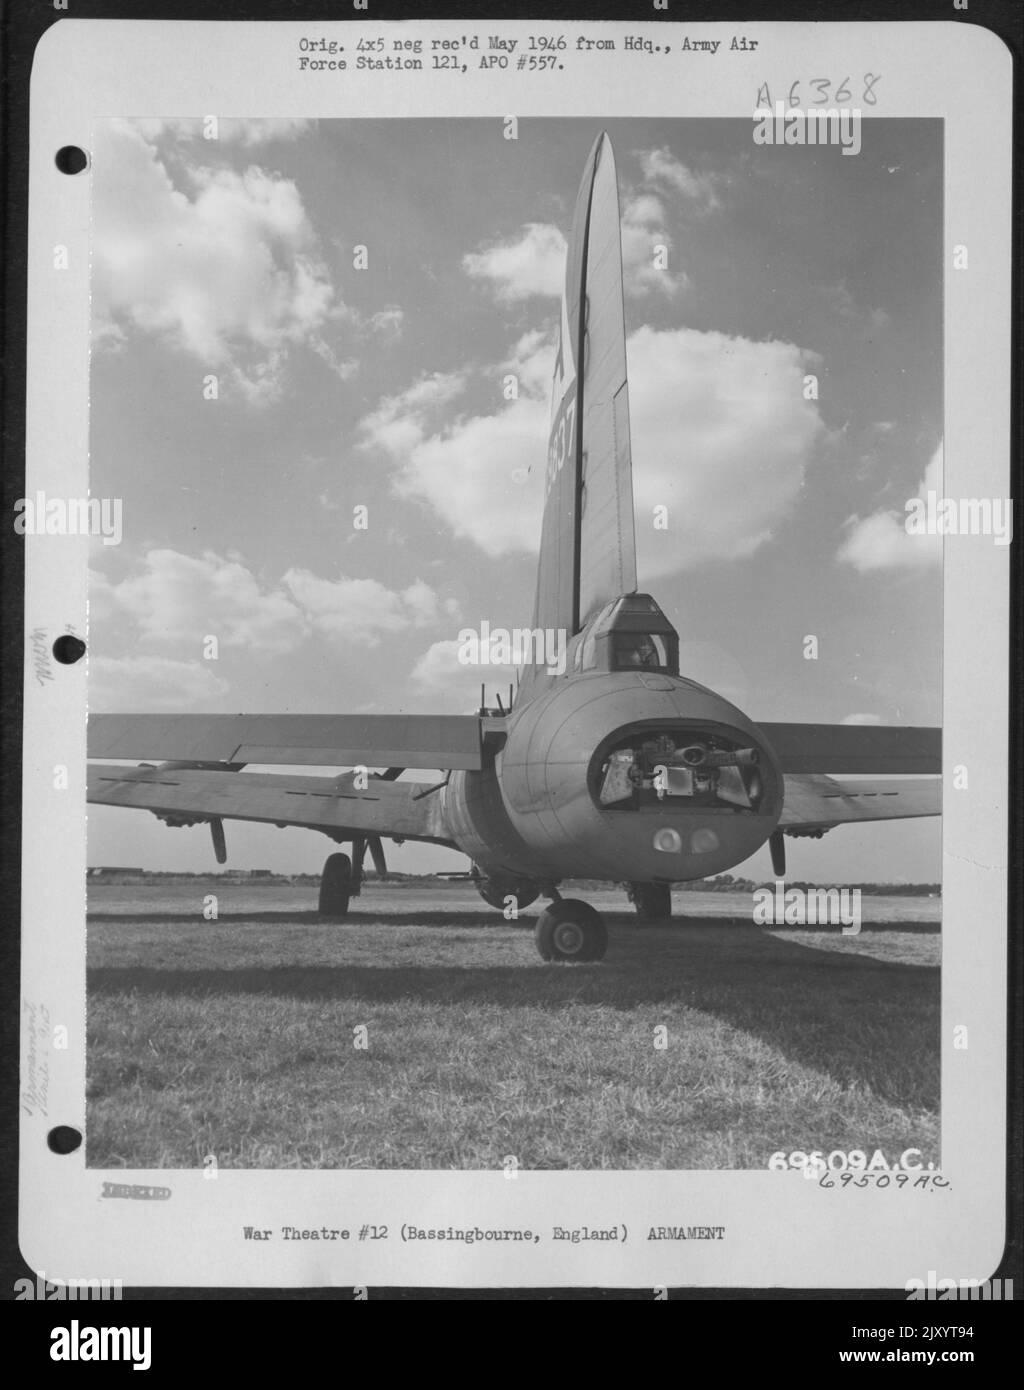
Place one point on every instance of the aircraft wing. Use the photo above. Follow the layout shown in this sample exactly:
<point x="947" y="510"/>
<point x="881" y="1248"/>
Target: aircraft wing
<point x="323" y="740"/>
<point x="883" y="767"/>
<point x="185" y="796"/>
<point x="815" y="802"/>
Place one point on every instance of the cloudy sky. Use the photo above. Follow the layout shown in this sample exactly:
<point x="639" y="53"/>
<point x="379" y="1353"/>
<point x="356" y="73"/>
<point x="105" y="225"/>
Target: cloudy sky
<point x="361" y="291"/>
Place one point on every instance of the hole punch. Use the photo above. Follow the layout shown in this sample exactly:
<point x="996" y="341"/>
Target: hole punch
<point x="69" y="159"/>
<point x="68" y="649"/>
<point x="64" y="1139"/>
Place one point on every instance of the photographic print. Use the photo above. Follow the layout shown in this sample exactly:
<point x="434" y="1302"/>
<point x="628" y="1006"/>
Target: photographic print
<point x="599" y="630"/>
<point x="516" y="597"/>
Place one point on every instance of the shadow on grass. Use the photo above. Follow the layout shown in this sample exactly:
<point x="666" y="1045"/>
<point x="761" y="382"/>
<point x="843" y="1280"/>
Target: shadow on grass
<point x="860" y="1019"/>
<point x="459" y="918"/>
<point x="309" y="917"/>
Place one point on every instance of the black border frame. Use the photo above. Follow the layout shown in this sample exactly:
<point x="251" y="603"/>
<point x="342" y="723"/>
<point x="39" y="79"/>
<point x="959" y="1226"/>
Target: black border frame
<point x="22" y="24"/>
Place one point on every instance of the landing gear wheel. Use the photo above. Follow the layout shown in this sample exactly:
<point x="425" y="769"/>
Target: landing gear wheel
<point x="335" y="887"/>
<point x="653" y="901"/>
<point x="571" y="930"/>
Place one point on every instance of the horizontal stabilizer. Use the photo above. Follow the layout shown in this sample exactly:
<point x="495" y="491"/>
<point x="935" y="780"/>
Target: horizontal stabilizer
<point x="873" y="749"/>
<point x="407" y="810"/>
<point x="443" y="741"/>
<point x="817" y="803"/>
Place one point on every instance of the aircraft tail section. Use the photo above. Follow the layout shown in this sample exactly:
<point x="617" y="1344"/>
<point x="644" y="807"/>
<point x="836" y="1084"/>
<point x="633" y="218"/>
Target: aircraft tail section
<point x="607" y="544"/>
<point x="588" y="547"/>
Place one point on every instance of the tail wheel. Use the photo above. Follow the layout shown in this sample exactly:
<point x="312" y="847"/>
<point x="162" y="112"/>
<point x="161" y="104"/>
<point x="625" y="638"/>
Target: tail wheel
<point x="570" y="930"/>
<point x="335" y="887"/>
<point x="653" y="901"/>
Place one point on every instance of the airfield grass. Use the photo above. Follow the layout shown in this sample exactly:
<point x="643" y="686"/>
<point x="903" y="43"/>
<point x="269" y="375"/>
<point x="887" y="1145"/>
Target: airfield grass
<point x="236" y="1038"/>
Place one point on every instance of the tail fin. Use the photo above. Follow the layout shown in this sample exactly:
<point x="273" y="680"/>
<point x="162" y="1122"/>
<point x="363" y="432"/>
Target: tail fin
<point x="588" y="547"/>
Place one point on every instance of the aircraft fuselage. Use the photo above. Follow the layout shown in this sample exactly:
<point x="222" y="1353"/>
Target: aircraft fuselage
<point x="601" y="776"/>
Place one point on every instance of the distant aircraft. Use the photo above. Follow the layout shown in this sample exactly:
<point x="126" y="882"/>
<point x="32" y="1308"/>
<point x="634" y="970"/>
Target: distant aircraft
<point x="619" y="768"/>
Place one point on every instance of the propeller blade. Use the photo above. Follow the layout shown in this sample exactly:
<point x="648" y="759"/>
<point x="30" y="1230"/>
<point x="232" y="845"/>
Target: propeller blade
<point x="220" y="847"/>
<point x="777" y="845"/>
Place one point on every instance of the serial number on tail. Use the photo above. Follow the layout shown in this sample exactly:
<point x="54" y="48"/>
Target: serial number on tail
<point x="563" y="438"/>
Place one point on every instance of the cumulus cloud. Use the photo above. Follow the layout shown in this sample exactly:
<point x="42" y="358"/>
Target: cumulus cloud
<point x="532" y="362"/>
<point x="439" y="674"/>
<point x="151" y="682"/>
<point x="343" y="367"/>
<point x="661" y="169"/>
<point x="473" y="470"/>
<point x="532" y="263"/>
<point x="648" y="256"/>
<point x="722" y="437"/>
<point x="861" y="719"/>
<point x="226" y="269"/>
<point x="476" y="475"/>
<point x="400" y="421"/>
<point x="388" y="322"/>
<point x="881" y="542"/>
<point x="360" y="610"/>
<point x="178" y="600"/>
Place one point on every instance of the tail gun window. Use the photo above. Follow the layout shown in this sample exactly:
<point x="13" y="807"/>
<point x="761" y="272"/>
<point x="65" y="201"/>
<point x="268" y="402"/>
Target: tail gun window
<point x="682" y="769"/>
<point x="646" y="649"/>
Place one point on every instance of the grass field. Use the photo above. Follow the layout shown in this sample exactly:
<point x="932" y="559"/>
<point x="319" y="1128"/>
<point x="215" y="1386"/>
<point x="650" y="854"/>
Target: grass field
<point x="236" y="1037"/>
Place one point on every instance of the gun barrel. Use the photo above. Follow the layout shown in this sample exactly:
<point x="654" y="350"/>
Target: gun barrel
<point x="696" y="755"/>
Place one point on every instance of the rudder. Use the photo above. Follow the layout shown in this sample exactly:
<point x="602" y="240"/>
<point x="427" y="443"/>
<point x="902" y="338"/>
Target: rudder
<point x="588" y="548"/>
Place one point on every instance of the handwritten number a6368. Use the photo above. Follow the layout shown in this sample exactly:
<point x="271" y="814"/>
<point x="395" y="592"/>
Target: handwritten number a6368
<point x="824" y="94"/>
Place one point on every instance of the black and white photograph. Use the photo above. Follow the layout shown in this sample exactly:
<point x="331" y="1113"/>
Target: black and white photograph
<point x="573" y="638"/>
<point x="516" y="672"/>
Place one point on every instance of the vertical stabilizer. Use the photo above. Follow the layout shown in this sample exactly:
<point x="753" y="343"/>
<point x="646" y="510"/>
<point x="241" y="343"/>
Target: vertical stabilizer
<point x="588" y="548"/>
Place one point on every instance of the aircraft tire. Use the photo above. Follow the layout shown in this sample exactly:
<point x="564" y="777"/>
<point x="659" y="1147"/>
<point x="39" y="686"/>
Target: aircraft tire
<point x="653" y="901"/>
<point x="335" y="887"/>
<point x="571" y="931"/>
